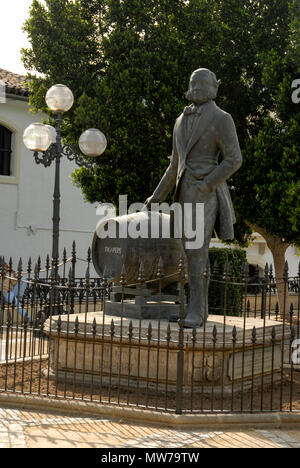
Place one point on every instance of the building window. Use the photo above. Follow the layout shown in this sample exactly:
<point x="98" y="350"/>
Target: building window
<point x="5" y="151"/>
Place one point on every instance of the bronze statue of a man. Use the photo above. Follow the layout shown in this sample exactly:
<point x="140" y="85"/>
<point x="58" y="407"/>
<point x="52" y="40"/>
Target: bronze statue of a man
<point x="206" y="152"/>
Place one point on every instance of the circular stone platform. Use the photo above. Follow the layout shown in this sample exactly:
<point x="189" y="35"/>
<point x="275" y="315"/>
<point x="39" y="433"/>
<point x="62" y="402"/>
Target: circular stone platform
<point x="124" y="351"/>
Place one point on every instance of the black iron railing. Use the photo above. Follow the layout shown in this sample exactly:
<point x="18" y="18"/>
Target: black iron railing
<point x="87" y="339"/>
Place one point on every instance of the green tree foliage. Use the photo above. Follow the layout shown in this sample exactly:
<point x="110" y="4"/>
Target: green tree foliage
<point x="268" y="190"/>
<point x="128" y="63"/>
<point x="234" y="292"/>
<point x="63" y="48"/>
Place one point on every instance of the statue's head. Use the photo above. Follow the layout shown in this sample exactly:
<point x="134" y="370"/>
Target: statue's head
<point x="203" y="86"/>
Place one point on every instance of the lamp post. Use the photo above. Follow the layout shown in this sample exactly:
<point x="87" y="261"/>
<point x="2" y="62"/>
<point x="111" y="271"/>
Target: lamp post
<point x="47" y="140"/>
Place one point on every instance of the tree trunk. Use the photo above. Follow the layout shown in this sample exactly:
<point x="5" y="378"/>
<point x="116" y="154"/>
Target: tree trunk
<point x="278" y="248"/>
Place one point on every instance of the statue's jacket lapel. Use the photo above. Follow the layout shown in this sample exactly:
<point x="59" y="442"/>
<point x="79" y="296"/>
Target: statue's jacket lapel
<point x="201" y="126"/>
<point x="184" y="145"/>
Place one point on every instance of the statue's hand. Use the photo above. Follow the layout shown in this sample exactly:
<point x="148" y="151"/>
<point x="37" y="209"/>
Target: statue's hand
<point x="204" y="187"/>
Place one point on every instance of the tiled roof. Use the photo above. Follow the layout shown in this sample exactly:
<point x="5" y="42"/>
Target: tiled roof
<point x="15" y="84"/>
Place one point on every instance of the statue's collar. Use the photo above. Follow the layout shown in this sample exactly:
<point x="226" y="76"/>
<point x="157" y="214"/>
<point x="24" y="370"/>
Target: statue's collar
<point x="196" y="108"/>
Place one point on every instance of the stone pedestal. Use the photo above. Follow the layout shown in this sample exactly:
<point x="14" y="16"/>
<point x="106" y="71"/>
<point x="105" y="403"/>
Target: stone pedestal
<point x="124" y="352"/>
<point x="147" y="311"/>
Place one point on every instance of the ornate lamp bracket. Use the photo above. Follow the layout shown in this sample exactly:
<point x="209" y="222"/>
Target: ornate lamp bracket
<point x="46" y="158"/>
<point x="70" y="151"/>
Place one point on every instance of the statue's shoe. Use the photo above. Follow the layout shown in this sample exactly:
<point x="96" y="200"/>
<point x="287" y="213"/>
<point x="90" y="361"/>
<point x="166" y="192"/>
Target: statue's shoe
<point x="193" y="321"/>
<point x="193" y="324"/>
<point x="173" y="318"/>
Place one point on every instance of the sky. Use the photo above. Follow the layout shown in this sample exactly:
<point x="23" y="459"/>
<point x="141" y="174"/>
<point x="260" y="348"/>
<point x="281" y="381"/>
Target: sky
<point x="13" y="13"/>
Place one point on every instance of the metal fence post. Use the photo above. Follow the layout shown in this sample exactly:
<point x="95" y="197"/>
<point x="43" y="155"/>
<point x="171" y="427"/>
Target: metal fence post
<point x="74" y="260"/>
<point x="180" y="352"/>
<point x="2" y="304"/>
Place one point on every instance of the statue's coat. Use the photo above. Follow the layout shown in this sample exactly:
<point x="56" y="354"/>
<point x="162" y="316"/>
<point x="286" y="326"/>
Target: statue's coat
<point x="213" y="136"/>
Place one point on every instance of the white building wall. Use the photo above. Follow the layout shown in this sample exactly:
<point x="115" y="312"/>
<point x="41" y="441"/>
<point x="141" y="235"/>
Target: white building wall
<point x="26" y="200"/>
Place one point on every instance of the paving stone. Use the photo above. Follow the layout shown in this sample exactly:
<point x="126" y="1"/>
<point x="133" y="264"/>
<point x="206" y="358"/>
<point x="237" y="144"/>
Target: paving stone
<point x="33" y="429"/>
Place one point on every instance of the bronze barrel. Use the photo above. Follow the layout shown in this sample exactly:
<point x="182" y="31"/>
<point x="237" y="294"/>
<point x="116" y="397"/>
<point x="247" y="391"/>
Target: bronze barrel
<point x="112" y="252"/>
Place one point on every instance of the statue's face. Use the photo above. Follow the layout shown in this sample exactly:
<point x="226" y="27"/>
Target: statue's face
<point x="198" y="89"/>
<point x="201" y="88"/>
